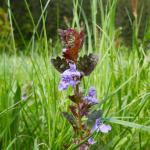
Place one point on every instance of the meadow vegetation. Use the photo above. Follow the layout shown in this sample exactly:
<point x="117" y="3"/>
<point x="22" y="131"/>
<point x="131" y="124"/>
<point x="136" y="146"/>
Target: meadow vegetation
<point x="31" y="105"/>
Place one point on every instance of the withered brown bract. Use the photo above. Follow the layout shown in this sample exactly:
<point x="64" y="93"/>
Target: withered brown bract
<point x="62" y="34"/>
<point x="74" y="110"/>
<point x="85" y="108"/>
<point x="76" y="98"/>
<point x="72" y="41"/>
<point x="60" y="64"/>
<point x="87" y="63"/>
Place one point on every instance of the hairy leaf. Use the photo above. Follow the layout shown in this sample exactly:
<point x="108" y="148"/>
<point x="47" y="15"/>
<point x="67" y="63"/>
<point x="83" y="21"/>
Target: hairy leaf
<point x="87" y="63"/>
<point x="73" y="109"/>
<point x="93" y="116"/>
<point x="71" y="119"/>
<point x="84" y="108"/>
<point x="60" y="64"/>
<point x="76" y="98"/>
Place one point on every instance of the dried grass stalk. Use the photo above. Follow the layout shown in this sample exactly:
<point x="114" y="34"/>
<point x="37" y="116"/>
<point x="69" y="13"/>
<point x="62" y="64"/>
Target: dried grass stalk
<point x="134" y="5"/>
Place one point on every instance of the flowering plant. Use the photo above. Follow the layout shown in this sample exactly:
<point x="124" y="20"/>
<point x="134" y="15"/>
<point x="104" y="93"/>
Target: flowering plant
<point x="84" y="120"/>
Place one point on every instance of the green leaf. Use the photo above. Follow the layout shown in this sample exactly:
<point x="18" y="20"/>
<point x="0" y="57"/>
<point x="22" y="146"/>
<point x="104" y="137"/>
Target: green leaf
<point x="93" y="116"/>
<point x="71" y="119"/>
<point x="16" y="112"/>
<point x="130" y="124"/>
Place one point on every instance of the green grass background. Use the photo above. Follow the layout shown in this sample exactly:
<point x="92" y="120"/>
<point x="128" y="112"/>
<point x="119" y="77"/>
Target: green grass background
<point x="121" y="78"/>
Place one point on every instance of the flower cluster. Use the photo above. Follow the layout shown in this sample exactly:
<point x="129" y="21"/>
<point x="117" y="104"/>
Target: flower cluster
<point x="70" y="77"/>
<point x="72" y="71"/>
<point x="91" y="98"/>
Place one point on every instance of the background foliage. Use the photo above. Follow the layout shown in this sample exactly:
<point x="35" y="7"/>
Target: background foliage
<point x="30" y="103"/>
<point x="59" y="14"/>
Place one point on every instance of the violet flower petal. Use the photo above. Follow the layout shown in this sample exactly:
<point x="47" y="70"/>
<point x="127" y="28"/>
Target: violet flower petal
<point x="91" y="98"/>
<point x="92" y="92"/>
<point x="100" y="127"/>
<point x="91" y="141"/>
<point x="70" y="77"/>
<point x="104" y="128"/>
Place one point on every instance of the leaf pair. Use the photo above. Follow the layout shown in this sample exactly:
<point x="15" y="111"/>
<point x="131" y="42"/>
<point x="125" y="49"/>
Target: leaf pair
<point x="83" y="109"/>
<point x="91" y="117"/>
<point x="86" y="64"/>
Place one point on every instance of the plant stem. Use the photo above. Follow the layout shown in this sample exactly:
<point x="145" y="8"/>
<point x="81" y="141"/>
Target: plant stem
<point x="78" y="108"/>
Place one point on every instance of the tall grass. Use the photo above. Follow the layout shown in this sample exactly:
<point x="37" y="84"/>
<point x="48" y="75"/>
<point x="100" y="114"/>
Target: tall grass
<point x="31" y="106"/>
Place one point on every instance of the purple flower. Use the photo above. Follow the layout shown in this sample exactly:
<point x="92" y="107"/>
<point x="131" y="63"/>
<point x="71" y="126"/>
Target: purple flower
<point x="91" y="141"/>
<point x="24" y="97"/>
<point x="99" y="126"/>
<point x="69" y="77"/>
<point x="91" y="98"/>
